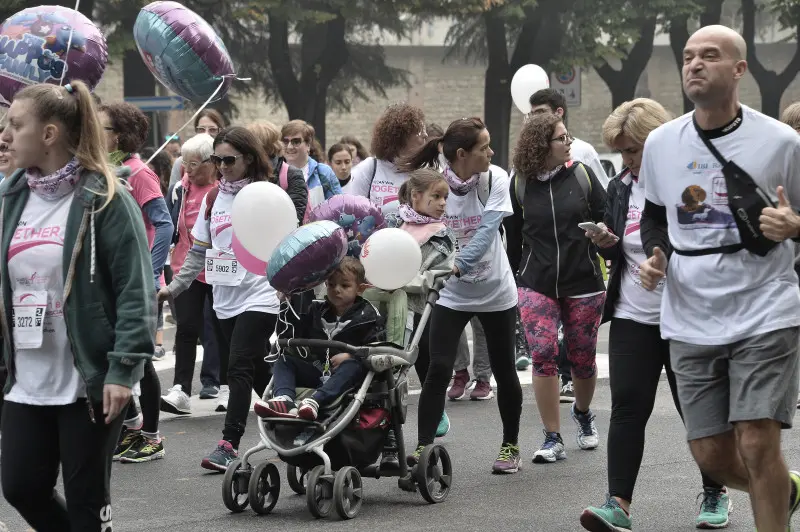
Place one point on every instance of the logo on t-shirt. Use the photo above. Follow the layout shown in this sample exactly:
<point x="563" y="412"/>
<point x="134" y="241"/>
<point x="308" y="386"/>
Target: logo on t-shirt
<point x="694" y="212"/>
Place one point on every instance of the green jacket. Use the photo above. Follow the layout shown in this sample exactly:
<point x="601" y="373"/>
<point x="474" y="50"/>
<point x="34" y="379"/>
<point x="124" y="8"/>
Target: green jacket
<point x="109" y="303"/>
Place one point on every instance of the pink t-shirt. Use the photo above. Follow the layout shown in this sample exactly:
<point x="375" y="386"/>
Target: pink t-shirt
<point x="145" y="186"/>
<point x="190" y="209"/>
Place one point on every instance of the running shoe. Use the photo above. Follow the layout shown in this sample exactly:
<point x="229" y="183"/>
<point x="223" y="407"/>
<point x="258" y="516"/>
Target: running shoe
<point x="281" y="406"/>
<point x="482" y="391"/>
<point x="176" y="401"/>
<point x="714" y="509"/>
<point x="587" y="431"/>
<point x="209" y="391"/>
<point x="413" y="458"/>
<point x="567" y="394"/>
<point x="459" y="387"/>
<point x="127" y="439"/>
<point x="794" y="495"/>
<point x="220" y="458"/>
<point x="551" y="450"/>
<point x="222" y="402"/>
<point x="507" y="460"/>
<point x="444" y="426"/>
<point x="523" y="362"/>
<point x="308" y="409"/>
<point x="607" y="518"/>
<point x="144" y="450"/>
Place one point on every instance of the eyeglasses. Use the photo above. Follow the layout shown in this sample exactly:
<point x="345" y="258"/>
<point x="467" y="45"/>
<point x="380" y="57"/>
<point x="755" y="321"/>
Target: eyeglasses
<point x="195" y="165"/>
<point x="294" y="142"/>
<point x="228" y="160"/>
<point x="203" y="129"/>
<point x="563" y="139"/>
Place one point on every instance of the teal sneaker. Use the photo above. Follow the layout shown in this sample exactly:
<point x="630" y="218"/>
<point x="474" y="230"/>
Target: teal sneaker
<point x="714" y="510"/>
<point x="444" y="426"/>
<point x="523" y="362"/>
<point x="606" y="518"/>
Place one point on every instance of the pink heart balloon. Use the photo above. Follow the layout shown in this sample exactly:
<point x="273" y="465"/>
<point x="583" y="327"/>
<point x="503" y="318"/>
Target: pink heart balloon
<point x="250" y="263"/>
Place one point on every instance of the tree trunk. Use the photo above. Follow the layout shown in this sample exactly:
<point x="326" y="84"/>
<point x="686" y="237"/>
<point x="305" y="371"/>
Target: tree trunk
<point x="771" y="84"/>
<point x="622" y="83"/>
<point x="497" y="87"/>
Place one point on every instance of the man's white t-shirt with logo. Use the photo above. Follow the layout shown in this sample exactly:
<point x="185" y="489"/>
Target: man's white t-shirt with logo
<point x="719" y="299"/>
<point x="490" y="286"/>
<point x="384" y="189"/>
<point x="585" y="153"/>
<point x="635" y="302"/>
<point x="44" y="365"/>
<point x="235" y="289"/>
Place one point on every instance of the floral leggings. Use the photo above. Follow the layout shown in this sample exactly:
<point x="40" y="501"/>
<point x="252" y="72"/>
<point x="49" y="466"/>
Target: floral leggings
<point x="581" y="318"/>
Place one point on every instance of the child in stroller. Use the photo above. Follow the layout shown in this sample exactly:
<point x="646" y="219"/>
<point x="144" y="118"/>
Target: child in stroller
<point x="345" y="317"/>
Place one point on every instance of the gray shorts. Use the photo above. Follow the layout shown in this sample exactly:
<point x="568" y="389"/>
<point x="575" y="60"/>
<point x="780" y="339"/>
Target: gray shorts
<point x="755" y="378"/>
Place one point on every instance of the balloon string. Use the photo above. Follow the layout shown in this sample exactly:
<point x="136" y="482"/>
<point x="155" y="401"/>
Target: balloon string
<point x="69" y="46"/>
<point x="191" y="120"/>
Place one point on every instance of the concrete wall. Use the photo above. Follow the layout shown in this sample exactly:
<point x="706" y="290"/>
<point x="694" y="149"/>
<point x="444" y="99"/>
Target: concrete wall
<point x="451" y="90"/>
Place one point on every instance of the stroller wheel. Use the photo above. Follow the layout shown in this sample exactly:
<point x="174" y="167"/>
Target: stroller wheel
<point x="297" y="478"/>
<point x="265" y="487"/>
<point x="319" y="492"/>
<point x="234" y="487"/>
<point x="434" y="473"/>
<point x="348" y="494"/>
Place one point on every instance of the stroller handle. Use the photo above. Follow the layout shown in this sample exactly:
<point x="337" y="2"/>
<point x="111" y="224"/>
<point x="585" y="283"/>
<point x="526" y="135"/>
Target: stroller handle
<point x="341" y="347"/>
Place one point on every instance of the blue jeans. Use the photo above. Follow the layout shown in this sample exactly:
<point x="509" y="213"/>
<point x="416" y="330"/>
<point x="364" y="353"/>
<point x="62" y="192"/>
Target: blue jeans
<point x="290" y="372"/>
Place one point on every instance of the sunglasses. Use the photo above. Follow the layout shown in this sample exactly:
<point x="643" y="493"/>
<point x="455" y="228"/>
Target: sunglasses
<point x="294" y="142"/>
<point x="209" y="130"/>
<point x="228" y="160"/>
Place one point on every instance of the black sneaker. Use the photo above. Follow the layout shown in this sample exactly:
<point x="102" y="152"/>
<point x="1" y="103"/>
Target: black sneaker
<point x="144" y="450"/>
<point x="209" y="392"/>
<point x="127" y="439"/>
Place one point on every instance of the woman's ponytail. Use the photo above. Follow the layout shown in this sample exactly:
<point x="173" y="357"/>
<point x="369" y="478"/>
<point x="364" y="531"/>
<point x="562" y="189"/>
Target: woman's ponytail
<point x="427" y="155"/>
<point x="91" y="141"/>
<point x="404" y="195"/>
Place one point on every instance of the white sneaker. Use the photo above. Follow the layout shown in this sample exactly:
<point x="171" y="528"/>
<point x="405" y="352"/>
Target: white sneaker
<point x="176" y="401"/>
<point x="551" y="450"/>
<point x="222" y="402"/>
<point x="587" y="431"/>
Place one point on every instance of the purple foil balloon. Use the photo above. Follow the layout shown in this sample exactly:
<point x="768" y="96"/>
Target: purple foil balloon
<point x="306" y="257"/>
<point x="33" y="49"/>
<point x="182" y="51"/>
<point x="357" y="215"/>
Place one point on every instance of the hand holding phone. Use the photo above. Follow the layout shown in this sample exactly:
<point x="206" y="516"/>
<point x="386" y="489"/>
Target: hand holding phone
<point x="599" y="235"/>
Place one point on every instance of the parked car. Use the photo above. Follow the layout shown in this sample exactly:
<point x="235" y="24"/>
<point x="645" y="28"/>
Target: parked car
<point x="612" y="163"/>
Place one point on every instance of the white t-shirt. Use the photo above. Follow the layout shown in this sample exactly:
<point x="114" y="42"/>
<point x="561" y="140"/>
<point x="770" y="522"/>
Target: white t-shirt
<point x="635" y="302"/>
<point x="384" y="189"/>
<point x="254" y="293"/>
<point x="45" y="375"/>
<point x="722" y="298"/>
<point x="585" y="153"/>
<point x="490" y="286"/>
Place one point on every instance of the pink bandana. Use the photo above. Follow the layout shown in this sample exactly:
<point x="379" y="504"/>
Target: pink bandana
<point x="56" y="185"/>
<point x="410" y="216"/>
<point x="459" y="187"/>
<point x="232" y="188"/>
<point x="419" y="226"/>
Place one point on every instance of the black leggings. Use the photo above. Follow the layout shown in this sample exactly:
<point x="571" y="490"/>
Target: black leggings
<point x="446" y="326"/>
<point x="248" y="337"/>
<point x="150" y="400"/>
<point x="38" y="439"/>
<point x="637" y="353"/>
<point x="190" y="315"/>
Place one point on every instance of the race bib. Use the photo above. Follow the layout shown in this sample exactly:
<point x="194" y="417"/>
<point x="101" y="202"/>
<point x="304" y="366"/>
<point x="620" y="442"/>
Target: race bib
<point x="223" y="269"/>
<point x="27" y="318"/>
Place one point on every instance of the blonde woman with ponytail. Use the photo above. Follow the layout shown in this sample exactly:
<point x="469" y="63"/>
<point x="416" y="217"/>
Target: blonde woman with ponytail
<point x="77" y="316"/>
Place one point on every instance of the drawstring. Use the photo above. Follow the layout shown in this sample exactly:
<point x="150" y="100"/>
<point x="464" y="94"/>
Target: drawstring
<point x="92" y="250"/>
<point x="286" y="306"/>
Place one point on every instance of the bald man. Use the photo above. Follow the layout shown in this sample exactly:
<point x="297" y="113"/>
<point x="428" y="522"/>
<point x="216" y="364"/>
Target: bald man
<point x="732" y="316"/>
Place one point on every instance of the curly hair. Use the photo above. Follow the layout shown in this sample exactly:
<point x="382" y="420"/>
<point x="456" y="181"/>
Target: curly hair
<point x="397" y="124"/>
<point x="533" y="145"/>
<point x="129" y="123"/>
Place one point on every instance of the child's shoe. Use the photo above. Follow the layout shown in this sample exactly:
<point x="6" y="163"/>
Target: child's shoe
<point x="281" y="406"/>
<point x="308" y="409"/>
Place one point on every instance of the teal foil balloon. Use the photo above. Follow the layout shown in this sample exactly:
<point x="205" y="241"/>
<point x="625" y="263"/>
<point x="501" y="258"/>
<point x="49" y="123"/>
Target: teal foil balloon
<point x="182" y="51"/>
<point x="307" y="256"/>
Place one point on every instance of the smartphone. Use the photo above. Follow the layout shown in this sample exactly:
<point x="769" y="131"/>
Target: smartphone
<point x="591" y="227"/>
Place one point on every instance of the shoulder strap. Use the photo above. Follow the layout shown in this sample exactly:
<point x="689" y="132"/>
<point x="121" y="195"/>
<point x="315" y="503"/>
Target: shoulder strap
<point x="211" y="197"/>
<point x="374" y="171"/>
<point x="519" y="189"/>
<point x="702" y="134"/>
<point x="584" y="180"/>
<point x="283" y="175"/>
<point x="485" y="189"/>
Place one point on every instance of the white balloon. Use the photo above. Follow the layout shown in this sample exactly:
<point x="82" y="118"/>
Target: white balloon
<point x="262" y="214"/>
<point x="526" y="81"/>
<point x="391" y="258"/>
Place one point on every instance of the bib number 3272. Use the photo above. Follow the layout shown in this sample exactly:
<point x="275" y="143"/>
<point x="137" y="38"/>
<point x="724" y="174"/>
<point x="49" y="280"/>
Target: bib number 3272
<point x="222" y="269"/>
<point x="27" y="318"/>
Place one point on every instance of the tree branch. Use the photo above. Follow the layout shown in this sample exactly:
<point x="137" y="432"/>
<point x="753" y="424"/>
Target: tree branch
<point x="749" y="35"/>
<point x="642" y="50"/>
<point x="280" y="60"/>
<point x="496" y="37"/>
<point x="787" y="76"/>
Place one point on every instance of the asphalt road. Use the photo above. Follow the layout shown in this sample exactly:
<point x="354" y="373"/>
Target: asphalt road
<point x="175" y="494"/>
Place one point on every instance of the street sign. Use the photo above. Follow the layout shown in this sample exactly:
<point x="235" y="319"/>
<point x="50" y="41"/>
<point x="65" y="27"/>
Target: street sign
<point x="568" y="83"/>
<point x="156" y="103"/>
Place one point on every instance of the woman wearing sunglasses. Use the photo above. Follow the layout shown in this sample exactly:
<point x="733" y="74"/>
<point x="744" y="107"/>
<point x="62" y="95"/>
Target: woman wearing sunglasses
<point x="246" y="305"/>
<point x="559" y="277"/>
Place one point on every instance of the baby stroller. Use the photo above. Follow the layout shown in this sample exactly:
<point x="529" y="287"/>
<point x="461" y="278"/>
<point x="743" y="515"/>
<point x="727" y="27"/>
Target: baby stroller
<point x="327" y="458"/>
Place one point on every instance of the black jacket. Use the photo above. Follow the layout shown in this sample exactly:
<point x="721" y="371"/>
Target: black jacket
<point x="359" y="326"/>
<point x="546" y="248"/>
<point x="296" y="186"/>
